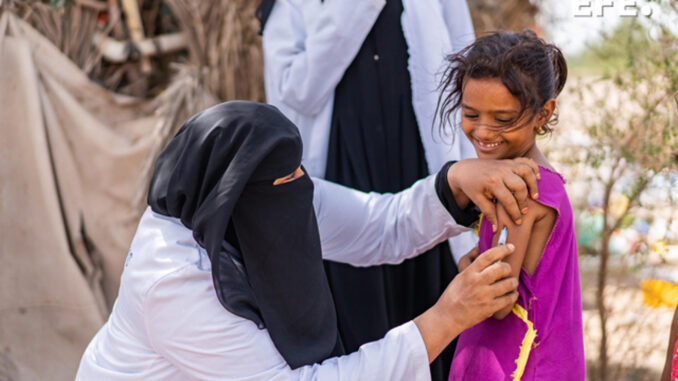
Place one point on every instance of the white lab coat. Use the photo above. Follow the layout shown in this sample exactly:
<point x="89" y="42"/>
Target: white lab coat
<point x="309" y="44"/>
<point x="167" y="323"/>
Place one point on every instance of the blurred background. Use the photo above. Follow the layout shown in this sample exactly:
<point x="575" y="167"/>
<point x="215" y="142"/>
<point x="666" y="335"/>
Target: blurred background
<point x="91" y="90"/>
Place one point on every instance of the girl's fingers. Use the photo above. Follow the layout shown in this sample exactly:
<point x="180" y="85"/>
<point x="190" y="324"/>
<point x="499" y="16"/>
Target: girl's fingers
<point x="464" y="262"/>
<point x="473" y="254"/>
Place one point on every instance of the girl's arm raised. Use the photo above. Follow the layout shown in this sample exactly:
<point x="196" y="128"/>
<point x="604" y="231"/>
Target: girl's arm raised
<point x="529" y="238"/>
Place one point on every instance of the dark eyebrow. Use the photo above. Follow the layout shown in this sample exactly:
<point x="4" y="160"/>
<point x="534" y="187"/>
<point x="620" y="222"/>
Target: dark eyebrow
<point x="494" y="111"/>
<point x="468" y="107"/>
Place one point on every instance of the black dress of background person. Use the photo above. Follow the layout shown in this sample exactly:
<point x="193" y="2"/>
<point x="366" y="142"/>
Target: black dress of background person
<point x="375" y="146"/>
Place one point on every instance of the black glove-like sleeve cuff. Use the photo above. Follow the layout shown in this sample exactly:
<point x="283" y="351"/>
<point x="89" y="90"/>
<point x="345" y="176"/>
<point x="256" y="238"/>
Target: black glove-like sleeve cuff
<point x="466" y="217"/>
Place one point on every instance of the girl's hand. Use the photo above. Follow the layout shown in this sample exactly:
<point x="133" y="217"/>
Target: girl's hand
<point x="482" y="181"/>
<point x="467" y="259"/>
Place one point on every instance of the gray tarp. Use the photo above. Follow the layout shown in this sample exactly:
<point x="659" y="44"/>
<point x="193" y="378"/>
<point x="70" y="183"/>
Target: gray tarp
<point x="74" y="162"/>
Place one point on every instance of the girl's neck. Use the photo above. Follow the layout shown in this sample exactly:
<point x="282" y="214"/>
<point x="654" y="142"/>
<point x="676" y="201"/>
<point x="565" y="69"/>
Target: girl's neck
<point x="535" y="154"/>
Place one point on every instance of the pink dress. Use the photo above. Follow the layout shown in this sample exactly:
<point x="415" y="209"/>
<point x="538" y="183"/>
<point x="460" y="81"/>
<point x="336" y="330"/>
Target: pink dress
<point x="547" y="342"/>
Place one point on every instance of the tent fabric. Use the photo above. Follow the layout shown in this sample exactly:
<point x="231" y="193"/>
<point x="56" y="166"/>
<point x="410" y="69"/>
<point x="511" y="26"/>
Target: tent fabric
<point x="74" y="166"/>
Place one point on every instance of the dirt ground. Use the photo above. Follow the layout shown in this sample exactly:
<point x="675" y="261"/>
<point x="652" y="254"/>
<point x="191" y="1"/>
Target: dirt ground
<point x="637" y="334"/>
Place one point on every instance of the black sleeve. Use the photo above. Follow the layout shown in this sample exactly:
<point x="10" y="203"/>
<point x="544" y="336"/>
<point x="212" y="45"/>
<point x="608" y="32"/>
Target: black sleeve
<point x="466" y="217"/>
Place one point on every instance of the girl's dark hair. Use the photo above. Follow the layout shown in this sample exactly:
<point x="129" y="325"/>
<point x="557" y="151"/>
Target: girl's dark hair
<point x="531" y="69"/>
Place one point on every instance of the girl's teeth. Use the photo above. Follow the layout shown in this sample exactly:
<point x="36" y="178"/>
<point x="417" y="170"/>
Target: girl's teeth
<point x="489" y="145"/>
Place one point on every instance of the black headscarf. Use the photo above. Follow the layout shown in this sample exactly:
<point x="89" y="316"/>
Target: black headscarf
<point x="216" y="176"/>
<point x="263" y="11"/>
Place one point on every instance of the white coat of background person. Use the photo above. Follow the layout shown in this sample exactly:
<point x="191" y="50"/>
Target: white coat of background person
<point x="308" y="45"/>
<point x="360" y="79"/>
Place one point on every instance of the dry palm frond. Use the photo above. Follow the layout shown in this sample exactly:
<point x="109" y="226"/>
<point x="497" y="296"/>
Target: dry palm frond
<point x="494" y="15"/>
<point x="224" y="46"/>
<point x="224" y="42"/>
<point x="73" y="24"/>
<point x="184" y="97"/>
<point x="70" y="28"/>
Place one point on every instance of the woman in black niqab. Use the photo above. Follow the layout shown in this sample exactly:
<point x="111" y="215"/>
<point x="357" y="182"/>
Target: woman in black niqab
<point x="216" y="176"/>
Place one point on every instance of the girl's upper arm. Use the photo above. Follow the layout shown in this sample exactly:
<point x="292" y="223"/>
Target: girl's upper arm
<point x="529" y="239"/>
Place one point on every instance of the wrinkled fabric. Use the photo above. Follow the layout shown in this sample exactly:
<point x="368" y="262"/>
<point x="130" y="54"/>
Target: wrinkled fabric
<point x="72" y="158"/>
<point x="551" y="296"/>
<point x="375" y="145"/>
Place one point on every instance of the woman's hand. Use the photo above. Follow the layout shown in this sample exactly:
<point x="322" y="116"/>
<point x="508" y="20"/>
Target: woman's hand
<point x="472" y="296"/>
<point x="482" y="181"/>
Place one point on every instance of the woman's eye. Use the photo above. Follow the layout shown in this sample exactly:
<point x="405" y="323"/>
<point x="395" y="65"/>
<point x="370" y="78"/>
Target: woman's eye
<point x="289" y="178"/>
<point x="503" y="120"/>
<point x="470" y="116"/>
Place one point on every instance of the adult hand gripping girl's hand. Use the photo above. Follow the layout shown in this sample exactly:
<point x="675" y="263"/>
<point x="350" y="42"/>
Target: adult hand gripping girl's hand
<point x="474" y="295"/>
<point x="509" y="182"/>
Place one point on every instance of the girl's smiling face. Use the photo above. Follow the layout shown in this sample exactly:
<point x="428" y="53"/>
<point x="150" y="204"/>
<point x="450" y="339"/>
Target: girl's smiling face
<point x="488" y="119"/>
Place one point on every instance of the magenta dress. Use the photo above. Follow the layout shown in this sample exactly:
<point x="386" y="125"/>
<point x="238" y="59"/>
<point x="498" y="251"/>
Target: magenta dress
<point x="551" y="298"/>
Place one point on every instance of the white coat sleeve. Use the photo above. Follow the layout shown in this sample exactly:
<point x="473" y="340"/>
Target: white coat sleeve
<point x="187" y="325"/>
<point x="460" y="29"/>
<point x="308" y="45"/>
<point x="366" y="229"/>
<point x="459" y="24"/>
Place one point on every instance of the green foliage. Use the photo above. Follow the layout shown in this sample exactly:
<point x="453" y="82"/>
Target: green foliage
<point x="57" y="3"/>
<point x="631" y="119"/>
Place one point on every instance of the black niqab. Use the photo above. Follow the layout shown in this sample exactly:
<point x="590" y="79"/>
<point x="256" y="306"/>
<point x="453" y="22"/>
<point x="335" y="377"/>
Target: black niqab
<point x="216" y="176"/>
<point x="263" y="11"/>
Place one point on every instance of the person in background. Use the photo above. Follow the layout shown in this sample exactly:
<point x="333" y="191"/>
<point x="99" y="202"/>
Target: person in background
<point x="359" y="80"/>
<point x="224" y="277"/>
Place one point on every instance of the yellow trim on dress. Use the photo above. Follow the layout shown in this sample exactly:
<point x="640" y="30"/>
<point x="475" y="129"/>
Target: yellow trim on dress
<point x="530" y="335"/>
<point x="528" y="341"/>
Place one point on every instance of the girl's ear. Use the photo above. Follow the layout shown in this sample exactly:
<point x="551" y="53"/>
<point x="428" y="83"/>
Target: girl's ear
<point x="547" y="111"/>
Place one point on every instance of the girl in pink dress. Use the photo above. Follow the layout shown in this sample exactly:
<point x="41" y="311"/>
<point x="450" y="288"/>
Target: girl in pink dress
<point x="505" y="85"/>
